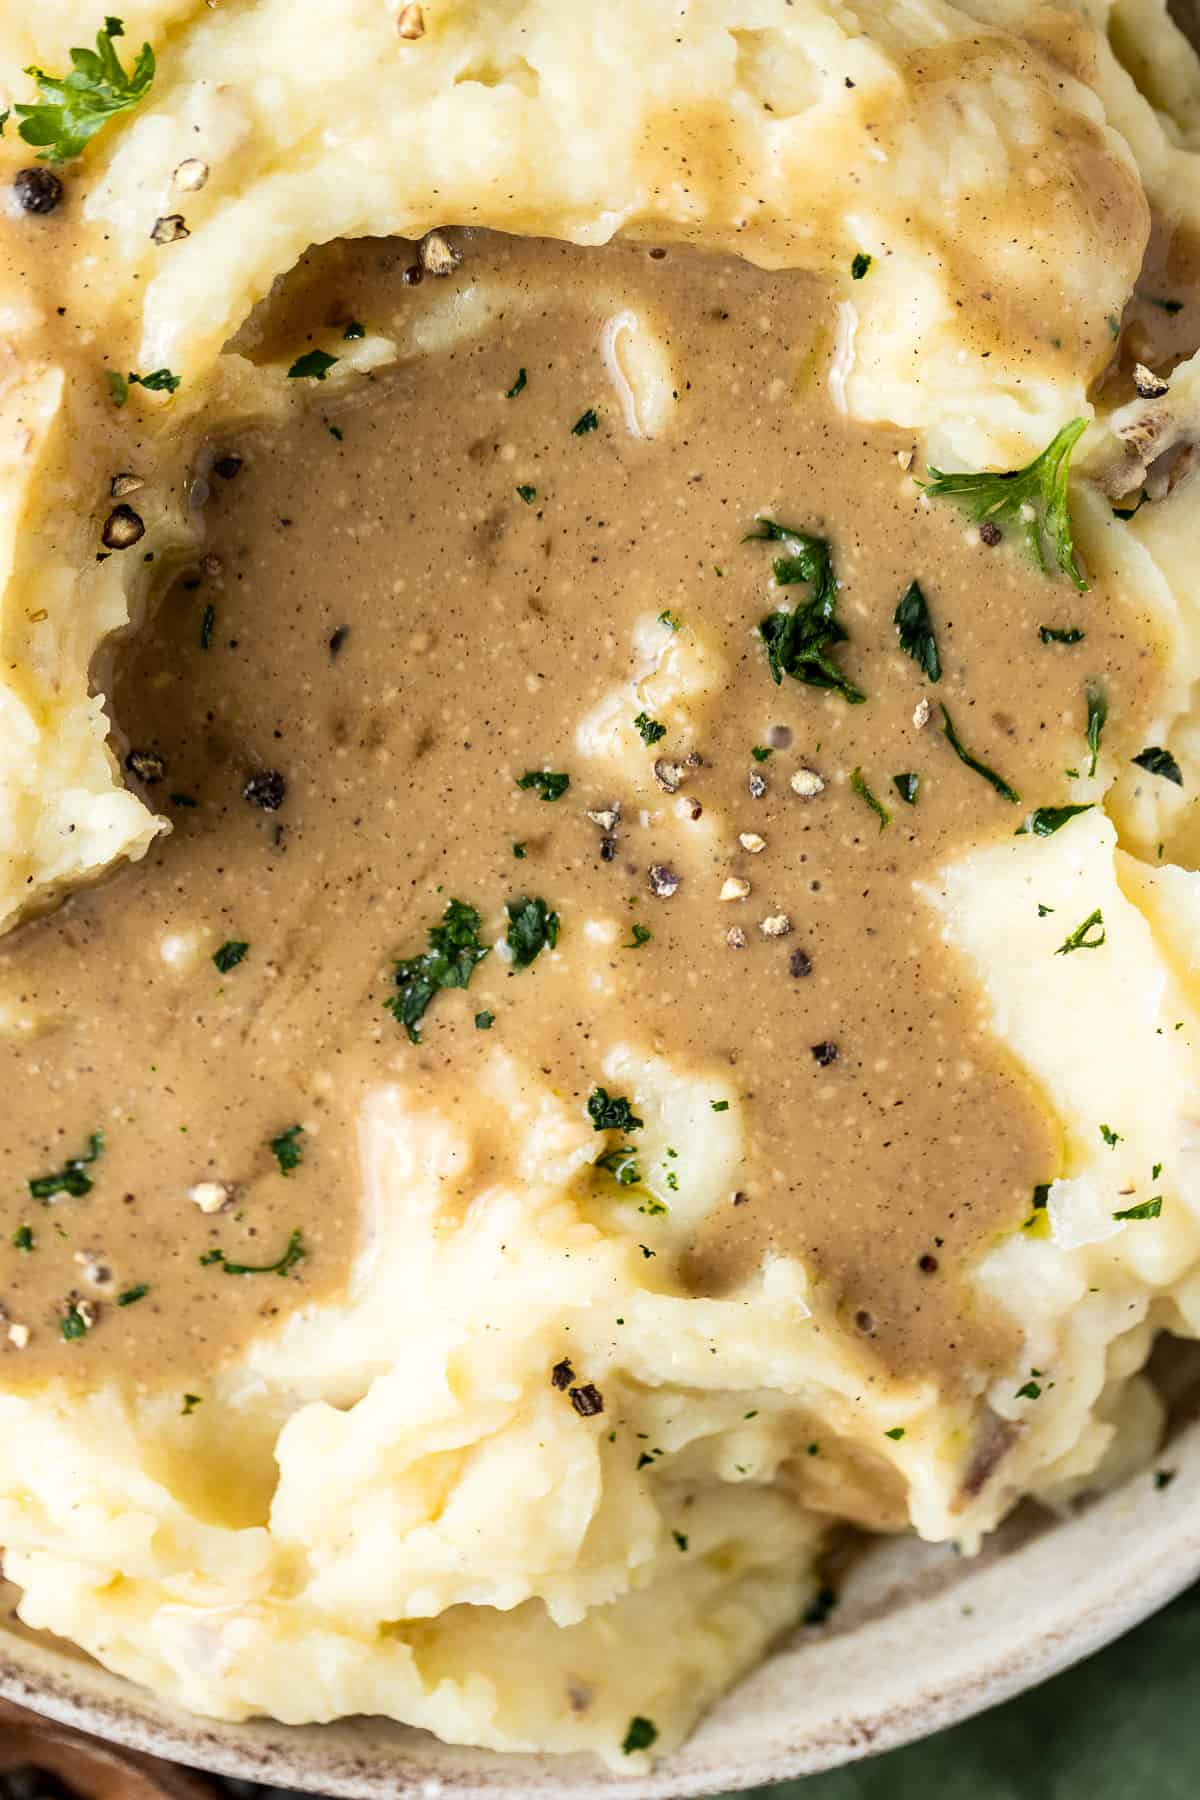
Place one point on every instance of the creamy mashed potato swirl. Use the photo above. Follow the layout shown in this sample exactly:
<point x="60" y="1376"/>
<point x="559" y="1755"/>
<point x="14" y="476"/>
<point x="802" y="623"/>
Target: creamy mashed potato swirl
<point x="384" y="1505"/>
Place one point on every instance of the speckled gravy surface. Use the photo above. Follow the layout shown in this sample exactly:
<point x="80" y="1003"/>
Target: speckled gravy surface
<point x="411" y="596"/>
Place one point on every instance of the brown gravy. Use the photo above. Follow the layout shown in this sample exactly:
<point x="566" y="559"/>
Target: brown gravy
<point x="399" y="634"/>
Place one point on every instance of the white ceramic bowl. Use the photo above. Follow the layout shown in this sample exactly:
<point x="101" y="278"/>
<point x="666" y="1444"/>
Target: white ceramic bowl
<point x="921" y="1638"/>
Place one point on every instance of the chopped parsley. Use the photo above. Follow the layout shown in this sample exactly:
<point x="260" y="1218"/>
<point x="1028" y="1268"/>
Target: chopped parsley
<point x="454" y="949"/>
<point x="532" y="928"/>
<point x="1156" y="1171"/>
<point x="1097" y="714"/>
<point x="230" y="955"/>
<point x="760" y="752"/>
<point x="314" y="365"/>
<point x="1157" y="761"/>
<point x="651" y="731"/>
<point x="621" y="1165"/>
<point x="284" y="1265"/>
<point x="906" y="786"/>
<point x="73" y="108"/>
<point x="518" y="851"/>
<point x="641" y="1734"/>
<point x="896" y="1433"/>
<point x="1040" y="487"/>
<point x="798" y="643"/>
<point x="611" y="1113"/>
<point x="1149" y="1209"/>
<point x="964" y="755"/>
<point x="287" y="1149"/>
<point x="681" y="1542"/>
<point x="719" y="1105"/>
<point x="484" y="1021"/>
<point x="914" y="628"/>
<point x="1112" y="1138"/>
<point x="518" y="386"/>
<point x="1053" y="634"/>
<point x="858" y="782"/>
<point x="207" y="621"/>
<point x="1049" y="819"/>
<point x="671" y="620"/>
<point x="71" y="1178"/>
<point x="641" y="935"/>
<point x="22" y="1238"/>
<point x="158" y="381"/>
<point x="72" y="1324"/>
<point x="1167" y="306"/>
<point x="190" y="1403"/>
<point x="1084" y="936"/>
<point x="547" y="784"/>
<point x="587" y="421"/>
<point x="526" y="493"/>
<point x="860" y="265"/>
<point x="133" y="1294"/>
<point x="1043" y="910"/>
<point x="1030" y="1391"/>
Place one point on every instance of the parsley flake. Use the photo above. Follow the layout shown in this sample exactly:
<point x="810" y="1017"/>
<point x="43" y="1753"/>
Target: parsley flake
<point x="798" y="643"/>
<point x="354" y="330"/>
<point x="651" y="731"/>
<point x="1097" y="714"/>
<point x="133" y="1294"/>
<point x="914" y="628"/>
<point x="526" y="493"/>
<point x="611" y="1112"/>
<point x="641" y="935"/>
<point x="964" y="755"/>
<point x="1053" y="634"/>
<point x="71" y="1178"/>
<point x="314" y="365"/>
<point x="858" y="782"/>
<point x="287" y="1149"/>
<point x="518" y="386"/>
<point x="547" y="784"/>
<point x="587" y="421"/>
<point x="1049" y="819"/>
<point x="1112" y="1138"/>
<point x="284" y="1265"/>
<point x="230" y="955"/>
<point x="1040" y="487"/>
<point x="641" y="1734"/>
<point x="860" y="265"/>
<point x="532" y="928"/>
<point x="22" y="1238"/>
<point x="1149" y="1209"/>
<point x="73" y="108"/>
<point x="1084" y="936"/>
<point x="1157" y="761"/>
<point x="454" y="949"/>
<point x="620" y="1164"/>
<point x="906" y="786"/>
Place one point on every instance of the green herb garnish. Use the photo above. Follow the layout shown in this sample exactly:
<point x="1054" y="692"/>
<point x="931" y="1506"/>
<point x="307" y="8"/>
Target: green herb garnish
<point x="354" y="330"/>
<point x="294" y="1253"/>
<point x="547" y="784"/>
<point x="760" y="752"/>
<point x="611" y="1113"/>
<point x="798" y="643"/>
<point x="159" y="381"/>
<point x="287" y="1149"/>
<point x="190" y="1403"/>
<point x="1041" y="486"/>
<point x="207" y="621"/>
<point x="526" y="493"/>
<point x="230" y="955"/>
<point x="1157" y="761"/>
<point x="72" y="1323"/>
<point x="587" y="421"/>
<point x="1083" y="937"/>
<point x="22" y="1238"/>
<point x="74" y="107"/>
<point x="620" y="1164"/>
<point x="1112" y="1138"/>
<point x="719" y="1105"/>
<point x="964" y="755"/>
<point x="454" y="949"/>
<point x="858" y="782"/>
<point x="671" y="620"/>
<point x="860" y="265"/>
<point x="1052" y="634"/>
<point x="70" y="1179"/>
<point x="518" y="851"/>
<point x="133" y="1294"/>
<point x="652" y="732"/>
<point x="914" y="628"/>
<point x="896" y="1433"/>
<point x="1149" y="1209"/>
<point x="1097" y="714"/>
<point x="641" y="1734"/>
<point x="641" y="935"/>
<point x="906" y="786"/>
<point x="518" y="386"/>
<point x="1030" y="1391"/>
<point x="314" y="365"/>
<point x="532" y="928"/>
<point x="1049" y="819"/>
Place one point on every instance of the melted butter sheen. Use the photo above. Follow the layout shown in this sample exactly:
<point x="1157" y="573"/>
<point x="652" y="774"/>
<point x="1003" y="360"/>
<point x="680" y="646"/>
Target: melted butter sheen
<point x="399" y="635"/>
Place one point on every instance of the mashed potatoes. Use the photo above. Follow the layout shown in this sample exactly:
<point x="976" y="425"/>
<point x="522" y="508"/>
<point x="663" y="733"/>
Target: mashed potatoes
<point x="385" y="1502"/>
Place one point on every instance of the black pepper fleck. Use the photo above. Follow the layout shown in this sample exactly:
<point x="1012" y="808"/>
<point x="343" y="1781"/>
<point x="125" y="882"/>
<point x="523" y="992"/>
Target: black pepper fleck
<point x="990" y="532"/>
<point x="587" y="1401"/>
<point x="227" y="467"/>
<point x="37" y="190"/>
<point x="266" y="790"/>
<point x="800" y="963"/>
<point x="147" y="765"/>
<point x="337" y="641"/>
<point x="562" y="1375"/>
<point x="824" y="1054"/>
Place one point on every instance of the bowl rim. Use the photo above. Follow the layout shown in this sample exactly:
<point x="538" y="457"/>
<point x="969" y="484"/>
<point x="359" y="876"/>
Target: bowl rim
<point x="1063" y="1591"/>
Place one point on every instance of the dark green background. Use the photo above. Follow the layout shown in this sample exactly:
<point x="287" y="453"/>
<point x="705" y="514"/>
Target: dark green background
<point x="1125" y="1725"/>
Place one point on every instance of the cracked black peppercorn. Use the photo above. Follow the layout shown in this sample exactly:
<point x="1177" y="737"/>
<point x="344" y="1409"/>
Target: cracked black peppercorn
<point x="267" y="790"/>
<point x="562" y="1375"/>
<point x="587" y="1401"/>
<point x="227" y="467"/>
<point x="824" y="1054"/>
<point x="37" y="190"/>
<point x="148" y="766"/>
